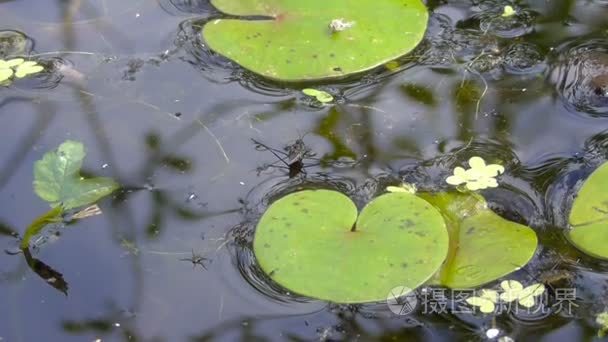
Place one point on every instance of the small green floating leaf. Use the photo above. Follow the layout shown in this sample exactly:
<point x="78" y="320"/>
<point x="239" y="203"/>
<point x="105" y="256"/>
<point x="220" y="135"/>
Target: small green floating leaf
<point x="320" y="95"/>
<point x="306" y="243"/>
<point x="486" y="301"/>
<point x="5" y="74"/>
<point x="27" y="68"/>
<point x="508" y="11"/>
<point x="483" y="246"/>
<point x="513" y="291"/>
<point x="405" y="187"/>
<point x="602" y="320"/>
<point x="6" y="70"/>
<point x="316" y="39"/>
<point x="480" y="176"/>
<point x="589" y="215"/>
<point x="18" y="67"/>
<point x="524" y="296"/>
<point x="11" y="63"/>
<point x="57" y="178"/>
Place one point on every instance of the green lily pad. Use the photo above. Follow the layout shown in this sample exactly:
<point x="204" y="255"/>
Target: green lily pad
<point x="320" y="95"/>
<point x="315" y="39"/>
<point x="483" y="245"/>
<point x="589" y="215"/>
<point x="305" y="242"/>
<point x="57" y="178"/>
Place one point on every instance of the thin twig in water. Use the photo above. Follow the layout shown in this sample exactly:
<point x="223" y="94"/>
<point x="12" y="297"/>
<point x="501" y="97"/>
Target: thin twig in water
<point x="464" y="147"/>
<point x="366" y="107"/>
<point x="139" y="102"/>
<point x="221" y="310"/>
<point x="222" y="245"/>
<point x="478" y="74"/>
<point x="217" y="141"/>
<point x="483" y="93"/>
<point x="64" y="52"/>
<point x="165" y="253"/>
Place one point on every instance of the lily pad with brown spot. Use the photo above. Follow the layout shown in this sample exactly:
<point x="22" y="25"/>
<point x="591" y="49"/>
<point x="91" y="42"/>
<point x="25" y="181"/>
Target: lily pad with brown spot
<point x="295" y="40"/>
<point x="306" y="242"/>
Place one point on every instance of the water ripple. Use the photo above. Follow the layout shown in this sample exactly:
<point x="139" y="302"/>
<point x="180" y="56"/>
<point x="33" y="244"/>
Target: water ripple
<point x="580" y="75"/>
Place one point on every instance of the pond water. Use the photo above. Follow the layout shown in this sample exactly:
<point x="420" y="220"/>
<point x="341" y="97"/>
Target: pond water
<point x="174" y="123"/>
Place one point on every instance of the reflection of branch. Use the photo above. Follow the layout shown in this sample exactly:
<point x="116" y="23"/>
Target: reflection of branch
<point x="47" y="273"/>
<point x="6" y="230"/>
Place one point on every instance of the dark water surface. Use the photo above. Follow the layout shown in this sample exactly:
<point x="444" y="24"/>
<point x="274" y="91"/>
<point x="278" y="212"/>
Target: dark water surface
<point x="173" y="123"/>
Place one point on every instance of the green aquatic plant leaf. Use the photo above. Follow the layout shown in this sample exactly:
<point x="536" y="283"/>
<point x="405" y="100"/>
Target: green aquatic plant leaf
<point x="480" y="176"/>
<point x="508" y="11"/>
<point x="294" y="40"/>
<point x="483" y="245"/>
<point x="6" y="68"/>
<point x="589" y="215"/>
<point x="320" y="95"/>
<point x="524" y="296"/>
<point x="306" y="242"/>
<point x="486" y="301"/>
<point x="27" y="68"/>
<point x="513" y="291"/>
<point x="602" y="320"/>
<point x="53" y="216"/>
<point x="18" y="67"/>
<point x="57" y="178"/>
<point x="5" y="74"/>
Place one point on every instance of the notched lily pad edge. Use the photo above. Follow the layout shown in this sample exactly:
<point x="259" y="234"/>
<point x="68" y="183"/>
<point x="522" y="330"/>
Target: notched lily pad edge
<point x="434" y="279"/>
<point x="358" y="215"/>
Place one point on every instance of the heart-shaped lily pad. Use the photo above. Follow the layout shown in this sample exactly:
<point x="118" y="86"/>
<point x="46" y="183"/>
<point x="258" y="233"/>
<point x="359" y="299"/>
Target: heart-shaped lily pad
<point x="315" y="39"/>
<point x="306" y="242"/>
<point x="483" y="245"/>
<point x="589" y="215"/>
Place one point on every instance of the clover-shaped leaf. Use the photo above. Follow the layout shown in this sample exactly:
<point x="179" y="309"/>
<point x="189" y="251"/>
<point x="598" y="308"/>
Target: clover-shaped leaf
<point x="602" y="320"/>
<point x="295" y="40"/>
<point x="480" y="176"/>
<point x="18" y="67"/>
<point x="6" y="70"/>
<point x="28" y="68"/>
<point x="515" y="291"/>
<point x="486" y="301"/>
<point x="57" y="178"/>
<point x="320" y="95"/>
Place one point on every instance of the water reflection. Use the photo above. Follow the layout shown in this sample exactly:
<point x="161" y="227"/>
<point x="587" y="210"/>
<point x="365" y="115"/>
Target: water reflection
<point x="580" y="75"/>
<point x="185" y="7"/>
<point x="14" y="43"/>
<point x="469" y="89"/>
